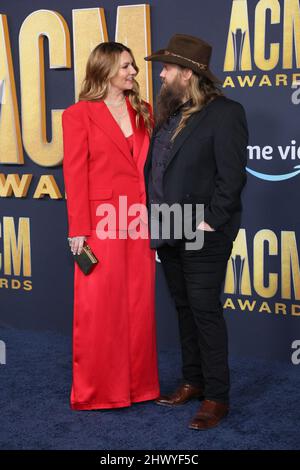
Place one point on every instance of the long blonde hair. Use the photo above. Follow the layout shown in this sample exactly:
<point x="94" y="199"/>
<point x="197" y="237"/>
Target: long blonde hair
<point x="103" y="64"/>
<point x="201" y="90"/>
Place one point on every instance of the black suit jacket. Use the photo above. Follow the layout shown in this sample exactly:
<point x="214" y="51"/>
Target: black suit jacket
<point x="207" y="164"/>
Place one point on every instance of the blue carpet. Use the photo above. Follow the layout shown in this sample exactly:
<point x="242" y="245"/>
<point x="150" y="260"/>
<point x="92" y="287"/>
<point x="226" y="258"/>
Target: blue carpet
<point x="35" y="413"/>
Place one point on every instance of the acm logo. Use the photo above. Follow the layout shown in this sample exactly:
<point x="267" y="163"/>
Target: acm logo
<point x="242" y="50"/>
<point x="270" y="62"/>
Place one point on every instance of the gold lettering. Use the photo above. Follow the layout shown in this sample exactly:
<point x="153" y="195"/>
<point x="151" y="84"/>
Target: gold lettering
<point x="296" y="310"/>
<point x="290" y="269"/>
<point x="281" y="78"/>
<point x="264" y="307"/>
<point x="260" y="34"/>
<point x="246" y="80"/>
<point x="246" y="304"/>
<point x="11" y="184"/>
<point x="138" y="39"/>
<point x="27" y="285"/>
<point x="291" y="33"/>
<point x="15" y="284"/>
<point x="296" y="78"/>
<point x="259" y="261"/>
<point x="47" y="186"/>
<point x="16" y="248"/>
<point x="228" y="82"/>
<point x="265" y="80"/>
<point x="35" y="28"/>
<point x="3" y="283"/>
<point x="10" y="130"/>
<point x="89" y="29"/>
<point x="280" y="308"/>
<point x="229" y="304"/>
<point x="239" y="21"/>
<point x="238" y="273"/>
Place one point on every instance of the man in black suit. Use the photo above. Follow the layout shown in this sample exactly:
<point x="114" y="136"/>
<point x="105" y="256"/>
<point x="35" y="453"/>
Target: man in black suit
<point x="197" y="156"/>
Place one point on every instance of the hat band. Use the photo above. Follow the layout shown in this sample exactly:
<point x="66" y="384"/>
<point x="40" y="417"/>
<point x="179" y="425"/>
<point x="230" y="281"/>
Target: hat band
<point x="199" y="65"/>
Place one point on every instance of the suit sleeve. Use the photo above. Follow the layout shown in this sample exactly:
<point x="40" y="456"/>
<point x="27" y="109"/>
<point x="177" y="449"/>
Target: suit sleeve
<point x="230" y="148"/>
<point x="75" y="171"/>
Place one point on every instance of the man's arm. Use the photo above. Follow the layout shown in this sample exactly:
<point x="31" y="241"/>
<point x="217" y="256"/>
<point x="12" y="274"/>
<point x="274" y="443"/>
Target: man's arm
<point x="230" y="147"/>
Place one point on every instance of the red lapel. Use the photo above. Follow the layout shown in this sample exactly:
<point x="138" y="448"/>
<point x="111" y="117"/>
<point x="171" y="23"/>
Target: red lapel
<point x="138" y="132"/>
<point x="100" y="114"/>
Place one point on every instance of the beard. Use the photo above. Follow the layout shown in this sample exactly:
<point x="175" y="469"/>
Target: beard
<point x="170" y="97"/>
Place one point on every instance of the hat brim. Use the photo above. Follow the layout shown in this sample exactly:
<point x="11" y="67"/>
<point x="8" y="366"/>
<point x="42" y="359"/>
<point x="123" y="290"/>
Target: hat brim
<point x="161" y="56"/>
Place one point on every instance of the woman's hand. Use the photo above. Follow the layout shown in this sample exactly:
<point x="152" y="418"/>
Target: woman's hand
<point x="204" y="226"/>
<point x="76" y="244"/>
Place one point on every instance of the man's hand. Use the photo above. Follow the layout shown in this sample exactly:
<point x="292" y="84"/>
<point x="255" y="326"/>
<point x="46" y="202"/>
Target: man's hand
<point x="204" y="226"/>
<point x="76" y="244"/>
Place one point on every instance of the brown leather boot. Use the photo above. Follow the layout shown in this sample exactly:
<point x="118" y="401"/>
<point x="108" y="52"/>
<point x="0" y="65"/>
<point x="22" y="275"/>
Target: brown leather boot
<point x="209" y="415"/>
<point x="182" y="394"/>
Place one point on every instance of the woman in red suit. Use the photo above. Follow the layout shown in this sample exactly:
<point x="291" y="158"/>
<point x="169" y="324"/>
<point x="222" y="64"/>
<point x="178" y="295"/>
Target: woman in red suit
<point x="106" y="138"/>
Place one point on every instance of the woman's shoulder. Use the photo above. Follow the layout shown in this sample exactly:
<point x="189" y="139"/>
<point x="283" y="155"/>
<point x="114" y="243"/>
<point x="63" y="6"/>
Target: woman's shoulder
<point x="75" y="108"/>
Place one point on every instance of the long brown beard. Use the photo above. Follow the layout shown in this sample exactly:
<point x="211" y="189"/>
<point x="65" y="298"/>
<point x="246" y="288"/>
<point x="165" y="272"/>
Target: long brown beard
<point x="168" y="101"/>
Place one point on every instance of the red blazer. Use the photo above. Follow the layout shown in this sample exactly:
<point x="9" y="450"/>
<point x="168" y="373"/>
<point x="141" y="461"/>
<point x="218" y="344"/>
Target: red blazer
<point x="98" y="166"/>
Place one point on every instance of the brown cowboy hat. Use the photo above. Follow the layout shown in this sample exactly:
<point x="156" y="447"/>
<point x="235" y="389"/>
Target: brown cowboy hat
<point x="187" y="51"/>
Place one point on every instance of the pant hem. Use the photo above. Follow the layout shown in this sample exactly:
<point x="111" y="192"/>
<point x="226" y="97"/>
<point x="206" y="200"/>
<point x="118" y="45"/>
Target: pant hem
<point x="119" y="404"/>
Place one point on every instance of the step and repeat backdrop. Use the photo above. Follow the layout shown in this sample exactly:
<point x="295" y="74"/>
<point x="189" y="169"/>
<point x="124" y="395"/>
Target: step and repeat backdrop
<point x="44" y="47"/>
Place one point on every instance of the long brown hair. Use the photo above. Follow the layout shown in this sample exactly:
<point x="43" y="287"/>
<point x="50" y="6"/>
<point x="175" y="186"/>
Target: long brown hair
<point x="201" y="90"/>
<point x="103" y="64"/>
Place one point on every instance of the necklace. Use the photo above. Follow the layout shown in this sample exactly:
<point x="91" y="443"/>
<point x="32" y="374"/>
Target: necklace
<point x="120" y="116"/>
<point x="109" y="103"/>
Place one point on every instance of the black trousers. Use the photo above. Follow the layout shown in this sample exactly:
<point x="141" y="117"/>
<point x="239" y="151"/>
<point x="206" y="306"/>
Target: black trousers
<point x="195" y="279"/>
